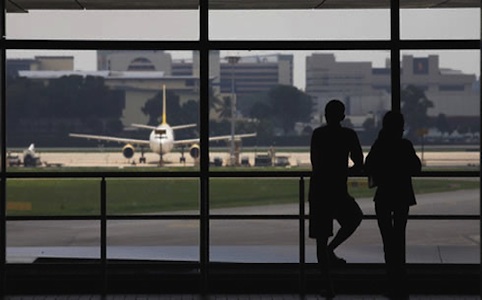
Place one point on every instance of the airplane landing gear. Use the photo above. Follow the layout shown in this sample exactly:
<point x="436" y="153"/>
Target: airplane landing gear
<point x="182" y="159"/>
<point x="142" y="159"/>
<point x="161" y="161"/>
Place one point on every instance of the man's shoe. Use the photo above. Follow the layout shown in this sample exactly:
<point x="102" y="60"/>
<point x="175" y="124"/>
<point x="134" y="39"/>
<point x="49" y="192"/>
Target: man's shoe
<point x="334" y="260"/>
<point x="327" y="293"/>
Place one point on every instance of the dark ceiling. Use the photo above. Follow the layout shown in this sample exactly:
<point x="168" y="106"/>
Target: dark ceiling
<point x="26" y="5"/>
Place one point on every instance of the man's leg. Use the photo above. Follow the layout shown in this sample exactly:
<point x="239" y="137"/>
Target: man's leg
<point x="349" y="217"/>
<point x="322" y="251"/>
<point x="324" y="264"/>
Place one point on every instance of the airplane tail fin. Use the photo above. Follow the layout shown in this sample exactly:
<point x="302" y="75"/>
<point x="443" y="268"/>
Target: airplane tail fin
<point x="164" y="121"/>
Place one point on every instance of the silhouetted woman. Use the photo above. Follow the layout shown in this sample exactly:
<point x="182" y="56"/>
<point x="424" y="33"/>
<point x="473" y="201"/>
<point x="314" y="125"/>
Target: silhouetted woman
<point x="391" y="163"/>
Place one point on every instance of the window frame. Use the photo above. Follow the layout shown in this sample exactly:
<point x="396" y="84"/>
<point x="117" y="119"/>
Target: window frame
<point x="395" y="45"/>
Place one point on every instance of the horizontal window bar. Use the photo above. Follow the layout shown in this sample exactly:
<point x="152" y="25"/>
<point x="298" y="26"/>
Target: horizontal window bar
<point x="213" y="174"/>
<point x="220" y="217"/>
<point x="243" y="45"/>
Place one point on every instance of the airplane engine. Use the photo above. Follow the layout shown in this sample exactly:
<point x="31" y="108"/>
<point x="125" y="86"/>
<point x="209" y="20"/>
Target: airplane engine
<point x="194" y="151"/>
<point x="128" y="151"/>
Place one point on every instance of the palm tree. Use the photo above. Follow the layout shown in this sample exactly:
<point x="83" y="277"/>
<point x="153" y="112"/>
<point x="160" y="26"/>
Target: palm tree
<point x="224" y="109"/>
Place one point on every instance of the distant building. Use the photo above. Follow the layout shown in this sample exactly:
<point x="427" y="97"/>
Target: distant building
<point x="139" y="60"/>
<point x="256" y="74"/>
<point x="252" y="74"/>
<point x="451" y="90"/>
<point x="39" y="63"/>
<point x="367" y="90"/>
<point x="357" y="84"/>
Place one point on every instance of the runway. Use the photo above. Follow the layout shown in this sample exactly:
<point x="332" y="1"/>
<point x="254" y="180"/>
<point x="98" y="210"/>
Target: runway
<point x="428" y="241"/>
<point x="109" y="158"/>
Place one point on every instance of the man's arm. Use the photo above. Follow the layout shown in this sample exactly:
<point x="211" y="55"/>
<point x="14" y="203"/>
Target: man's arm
<point x="356" y="153"/>
<point x="314" y="151"/>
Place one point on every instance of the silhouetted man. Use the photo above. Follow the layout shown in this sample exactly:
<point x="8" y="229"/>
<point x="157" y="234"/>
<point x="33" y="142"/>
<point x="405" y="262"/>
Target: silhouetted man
<point x="331" y="147"/>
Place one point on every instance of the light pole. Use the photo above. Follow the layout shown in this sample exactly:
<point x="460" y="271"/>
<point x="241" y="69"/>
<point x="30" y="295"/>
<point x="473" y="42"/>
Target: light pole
<point x="232" y="60"/>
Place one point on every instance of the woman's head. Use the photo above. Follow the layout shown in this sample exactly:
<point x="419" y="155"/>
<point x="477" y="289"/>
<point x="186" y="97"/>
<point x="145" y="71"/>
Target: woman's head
<point x="393" y="123"/>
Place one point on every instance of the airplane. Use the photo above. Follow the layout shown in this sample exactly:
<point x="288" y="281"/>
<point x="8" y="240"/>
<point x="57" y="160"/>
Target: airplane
<point x="161" y="140"/>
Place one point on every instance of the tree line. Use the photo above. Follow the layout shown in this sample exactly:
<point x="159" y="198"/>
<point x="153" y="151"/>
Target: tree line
<point x="45" y="112"/>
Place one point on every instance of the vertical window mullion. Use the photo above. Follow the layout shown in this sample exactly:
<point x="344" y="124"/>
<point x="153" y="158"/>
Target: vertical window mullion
<point x="395" y="53"/>
<point x="480" y="154"/>
<point x="204" y="141"/>
<point x="3" y="179"/>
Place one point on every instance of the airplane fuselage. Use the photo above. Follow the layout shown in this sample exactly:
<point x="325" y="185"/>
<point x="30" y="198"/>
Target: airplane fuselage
<point x="161" y="139"/>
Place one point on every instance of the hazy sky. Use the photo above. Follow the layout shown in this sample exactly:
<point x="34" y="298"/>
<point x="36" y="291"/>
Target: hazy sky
<point x="253" y="25"/>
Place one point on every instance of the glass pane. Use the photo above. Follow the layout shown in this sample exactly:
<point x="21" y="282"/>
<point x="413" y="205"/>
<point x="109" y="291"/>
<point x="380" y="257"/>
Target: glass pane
<point x="280" y="96"/>
<point x="152" y="196"/>
<point x="446" y="133"/>
<point x="435" y="196"/>
<point x="443" y="242"/>
<point x="319" y="24"/>
<point x="102" y="109"/>
<point x="53" y="197"/>
<point x="254" y="196"/>
<point x="459" y="23"/>
<point x="104" y="24"/>
<point x="263" y="241"/>
<point x="446" y="196"/>
<point x="427" y="242"/>
<point x="172" y="240"/>
<point x="53" y="241"/>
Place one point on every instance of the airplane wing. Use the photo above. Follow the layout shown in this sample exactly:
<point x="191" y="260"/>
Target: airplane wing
<point x="143" y="126"/>
<point x="215" y="138"/>
<point x="154" y="127"/>
<point x="183" y="126"/>
<point x="110" y="139"/>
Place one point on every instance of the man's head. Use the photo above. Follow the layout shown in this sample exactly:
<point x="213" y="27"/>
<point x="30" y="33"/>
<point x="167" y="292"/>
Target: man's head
<point x="334" y="111"/>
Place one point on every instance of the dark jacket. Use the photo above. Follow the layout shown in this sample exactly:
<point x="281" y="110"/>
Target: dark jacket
<point x="391" y="163"/>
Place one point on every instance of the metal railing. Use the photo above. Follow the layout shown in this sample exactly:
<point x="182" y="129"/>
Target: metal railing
<point x="204" y="216"/>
